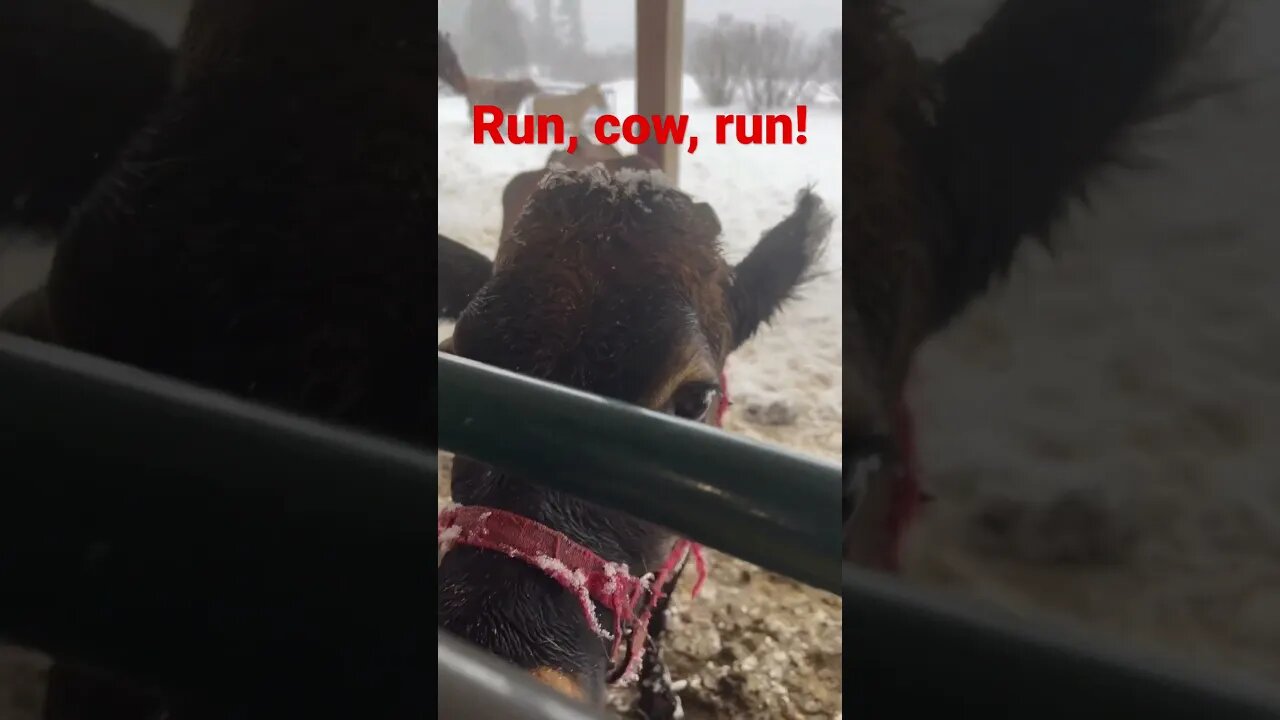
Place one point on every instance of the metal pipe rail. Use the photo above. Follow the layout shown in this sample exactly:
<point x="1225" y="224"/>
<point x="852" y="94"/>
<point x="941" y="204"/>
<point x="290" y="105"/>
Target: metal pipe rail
<point x="765" y="505"/>
<point x="210" y="546"/>
<point x="908" y="651"/>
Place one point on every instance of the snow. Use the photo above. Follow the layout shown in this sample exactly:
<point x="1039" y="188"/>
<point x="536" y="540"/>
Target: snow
<point x="446" y="541"/>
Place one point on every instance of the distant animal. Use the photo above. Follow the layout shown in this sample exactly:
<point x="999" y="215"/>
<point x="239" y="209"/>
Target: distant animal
<point x="447" y="66"/>
<point x="571" y="107"/>
<point x="587" y="153"/>
<point x="519" y="189"/>
<point x="506" y="94"/>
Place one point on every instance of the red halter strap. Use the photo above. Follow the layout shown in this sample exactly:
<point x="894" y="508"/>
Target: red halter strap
<point x="589" y="577"/>
<point x="592" y="579"/>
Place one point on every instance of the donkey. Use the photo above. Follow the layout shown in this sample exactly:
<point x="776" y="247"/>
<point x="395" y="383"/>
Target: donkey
<point x="614" y="284"/>
<point x="99" y="76"/>
<point x="519" y="189"/>
<point x="508" y="95"/>
<point x="951" y="167"/>
<point x="571" y="107"/>
<point x="447" y="66"/>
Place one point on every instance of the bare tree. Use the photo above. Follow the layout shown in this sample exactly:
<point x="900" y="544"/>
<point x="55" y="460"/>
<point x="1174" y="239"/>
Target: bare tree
<point x="493" y="39"/>
<point x="717" y="59"/>
<point x="544" y="44"/>
<point x="832" y="59"/>
<point x="780" y="68"/>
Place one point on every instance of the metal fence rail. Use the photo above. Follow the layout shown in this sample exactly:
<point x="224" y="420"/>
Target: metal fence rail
<point x="476" y="684"/>
<point x="216" y="547"/>
<point x="208" y="545"/>
<point x="770" y="507"/>
<point x="908" y="651"/>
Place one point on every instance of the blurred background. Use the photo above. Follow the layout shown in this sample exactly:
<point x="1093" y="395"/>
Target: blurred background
<point x="1103" y="433"/>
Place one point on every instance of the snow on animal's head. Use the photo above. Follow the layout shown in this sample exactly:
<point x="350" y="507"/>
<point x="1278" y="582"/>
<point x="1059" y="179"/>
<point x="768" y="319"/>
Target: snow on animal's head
<point x="620" y="211"/>
<point x="615" y="282"/>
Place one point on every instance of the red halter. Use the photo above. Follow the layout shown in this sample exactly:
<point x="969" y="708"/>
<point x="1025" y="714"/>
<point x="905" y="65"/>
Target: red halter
<point x="589" y="577"/>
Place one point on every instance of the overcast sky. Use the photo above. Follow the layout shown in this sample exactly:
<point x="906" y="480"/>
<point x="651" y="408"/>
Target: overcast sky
<point x="611" y="23"/>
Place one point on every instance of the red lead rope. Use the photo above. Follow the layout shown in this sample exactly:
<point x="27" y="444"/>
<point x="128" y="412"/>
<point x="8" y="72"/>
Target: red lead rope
<point x="589" y="577"/>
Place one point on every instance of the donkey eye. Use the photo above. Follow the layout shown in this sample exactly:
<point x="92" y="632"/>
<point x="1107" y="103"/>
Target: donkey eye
<point x="693" y="401"/>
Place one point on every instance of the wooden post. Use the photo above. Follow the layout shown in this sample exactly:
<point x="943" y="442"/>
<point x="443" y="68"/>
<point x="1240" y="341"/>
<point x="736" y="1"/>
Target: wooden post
<point x="660" y="72"/>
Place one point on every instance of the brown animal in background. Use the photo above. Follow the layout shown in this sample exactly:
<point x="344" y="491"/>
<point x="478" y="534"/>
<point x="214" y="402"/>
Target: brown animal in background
<point x="587" y="153"/>
<point x="518" y="190"/>
<point x="952" y="166"/>
<point x="448" y="68"/>
<point x="571" y="107"/>
<point x="506" y="94"/>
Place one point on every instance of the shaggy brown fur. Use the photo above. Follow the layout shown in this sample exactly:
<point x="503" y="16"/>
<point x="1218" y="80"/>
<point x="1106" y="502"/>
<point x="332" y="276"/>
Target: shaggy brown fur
<point x="952" y="166"/>
<point x="518" y="190"/>
<point x="75" y="82"/>
<point x="613" y="284"/>
<point x="236" y="258"/>
<point x="460" y="273"/>
<point x="506" y="94"/>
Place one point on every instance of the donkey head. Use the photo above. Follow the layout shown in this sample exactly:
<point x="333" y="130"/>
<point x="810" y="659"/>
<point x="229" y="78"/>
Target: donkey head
<point x="613" y="284"/>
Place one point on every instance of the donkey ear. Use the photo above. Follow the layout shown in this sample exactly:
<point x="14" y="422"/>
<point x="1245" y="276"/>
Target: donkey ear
<point x="707" y="219"/>
<point x="1049" y="113"/>
<point x="778" y="265"/>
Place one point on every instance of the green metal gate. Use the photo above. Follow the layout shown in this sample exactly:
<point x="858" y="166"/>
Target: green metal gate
<point x="905" y="650"/>
<point x="209" y="545"/>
